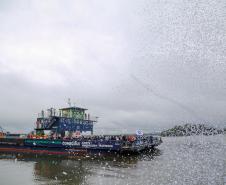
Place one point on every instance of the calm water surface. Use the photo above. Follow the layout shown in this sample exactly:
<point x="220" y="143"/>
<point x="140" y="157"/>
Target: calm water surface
<point x="197" y="160"/>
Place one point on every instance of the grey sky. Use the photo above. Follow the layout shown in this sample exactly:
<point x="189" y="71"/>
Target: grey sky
<point x="135" y="64"/>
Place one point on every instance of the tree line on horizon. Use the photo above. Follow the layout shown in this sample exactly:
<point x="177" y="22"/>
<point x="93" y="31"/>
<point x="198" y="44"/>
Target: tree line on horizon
<point x="192" y="129"/>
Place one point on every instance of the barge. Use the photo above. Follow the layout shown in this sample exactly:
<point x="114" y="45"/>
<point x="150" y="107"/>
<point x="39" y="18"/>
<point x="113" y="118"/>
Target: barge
<point x="69" y="132"/>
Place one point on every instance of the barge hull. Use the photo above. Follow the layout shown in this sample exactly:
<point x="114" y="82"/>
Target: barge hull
<point x="24" y="150"/>
<point x="64" y="152"/>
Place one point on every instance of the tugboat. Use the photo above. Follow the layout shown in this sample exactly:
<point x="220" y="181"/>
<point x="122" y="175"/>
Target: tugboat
<point x="69" y="132"/>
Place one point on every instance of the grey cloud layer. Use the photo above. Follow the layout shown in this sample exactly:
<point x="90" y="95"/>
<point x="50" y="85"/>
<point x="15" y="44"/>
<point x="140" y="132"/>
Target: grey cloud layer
<point x="146" y="64"/>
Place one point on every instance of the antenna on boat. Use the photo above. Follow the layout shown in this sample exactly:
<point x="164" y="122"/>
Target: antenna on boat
<point x="69" y="102"/>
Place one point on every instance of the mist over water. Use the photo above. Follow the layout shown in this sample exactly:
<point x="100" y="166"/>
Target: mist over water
<point x="193" y="160"/>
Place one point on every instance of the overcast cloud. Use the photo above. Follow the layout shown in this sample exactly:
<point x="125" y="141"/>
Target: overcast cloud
<point x="136" y="64"/>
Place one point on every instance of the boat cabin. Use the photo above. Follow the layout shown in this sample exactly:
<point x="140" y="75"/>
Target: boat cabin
<point x="70" y="121"/>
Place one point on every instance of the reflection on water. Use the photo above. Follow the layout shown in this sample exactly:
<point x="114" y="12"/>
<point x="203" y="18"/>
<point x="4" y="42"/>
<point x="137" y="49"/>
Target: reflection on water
<point x="64" y="171"/>
<point x="77" y="171"/>
<point x="184" y="160"/>
<point x="57" y="170"/>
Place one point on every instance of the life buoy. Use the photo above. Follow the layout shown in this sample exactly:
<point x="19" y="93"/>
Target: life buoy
<point x="131" y="138"/>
